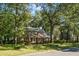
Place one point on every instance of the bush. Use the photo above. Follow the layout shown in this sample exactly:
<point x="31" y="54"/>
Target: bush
<point x="17" y="47"/>
<point x="59" y="41"/>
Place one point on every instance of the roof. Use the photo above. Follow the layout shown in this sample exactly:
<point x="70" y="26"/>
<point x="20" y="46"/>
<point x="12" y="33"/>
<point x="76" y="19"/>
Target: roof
<point x="31" y="29"/>
<point x="40" y="30"/>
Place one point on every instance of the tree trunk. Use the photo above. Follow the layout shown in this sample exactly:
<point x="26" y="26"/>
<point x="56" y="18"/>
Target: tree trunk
<point x="15" y="41"/>
<point x="1" y="41"/>
<point x="67" y="39"/>
<point x="68" y="35"/>
<point x="51" y="32"/>
<point x="61" y="35"/>
<point x="51" y="29"/>
<point x="37" y="40"/>
<point x="77" y="38"/>
<point x="15" y="36"/>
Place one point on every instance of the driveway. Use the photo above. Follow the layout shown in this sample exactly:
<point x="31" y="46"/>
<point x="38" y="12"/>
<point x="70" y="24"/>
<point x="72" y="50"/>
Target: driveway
<point x="65" y="52"/>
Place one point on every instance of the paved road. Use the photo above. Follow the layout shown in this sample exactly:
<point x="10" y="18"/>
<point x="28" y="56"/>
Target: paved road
<point x="53" y="53"/>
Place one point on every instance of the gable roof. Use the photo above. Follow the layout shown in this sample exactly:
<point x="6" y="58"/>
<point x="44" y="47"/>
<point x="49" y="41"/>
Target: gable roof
<point x="31" y="29"/>
<point x="39" y="30"/>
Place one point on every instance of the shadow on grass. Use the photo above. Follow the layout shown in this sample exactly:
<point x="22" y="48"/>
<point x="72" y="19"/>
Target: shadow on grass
<point x="65" y="47"/>
<point x="73" y="47"/>
<point x="10" y="47"/>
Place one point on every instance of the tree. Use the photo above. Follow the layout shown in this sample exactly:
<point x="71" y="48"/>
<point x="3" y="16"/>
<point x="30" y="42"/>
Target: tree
<point x="50" y="10"/>
<point x="14" y="18"/>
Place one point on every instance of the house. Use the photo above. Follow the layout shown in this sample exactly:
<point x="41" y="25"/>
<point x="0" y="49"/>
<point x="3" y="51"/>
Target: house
<point x="37" y="35"/>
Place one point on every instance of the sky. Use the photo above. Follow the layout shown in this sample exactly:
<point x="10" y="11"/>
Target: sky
<point x="33" y="9"/>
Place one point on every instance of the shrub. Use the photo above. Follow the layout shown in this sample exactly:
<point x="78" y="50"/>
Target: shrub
<point x="17" y="47"/>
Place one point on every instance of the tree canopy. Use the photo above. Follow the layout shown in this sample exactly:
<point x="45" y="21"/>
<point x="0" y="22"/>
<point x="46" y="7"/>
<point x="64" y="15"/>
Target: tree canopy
<point x="57" y="19"/>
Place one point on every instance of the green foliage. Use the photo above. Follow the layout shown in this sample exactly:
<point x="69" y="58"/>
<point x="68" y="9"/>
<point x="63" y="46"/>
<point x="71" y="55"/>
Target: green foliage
<point x="13" y="20"/>
<point x="17" y="47"/>
<point x="54" y="18"/>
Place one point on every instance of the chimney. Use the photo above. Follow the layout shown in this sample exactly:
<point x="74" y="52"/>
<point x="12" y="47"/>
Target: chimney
<point x="40" y="28"/>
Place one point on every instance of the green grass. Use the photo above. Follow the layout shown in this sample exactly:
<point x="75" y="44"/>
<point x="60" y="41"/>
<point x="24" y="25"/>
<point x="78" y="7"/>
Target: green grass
<point x="9" y="50"/>
<point x="15" y="52"/>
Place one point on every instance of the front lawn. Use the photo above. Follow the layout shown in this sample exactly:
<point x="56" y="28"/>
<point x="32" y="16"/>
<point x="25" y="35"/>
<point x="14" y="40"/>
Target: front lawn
<point x="8" y="49"/>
